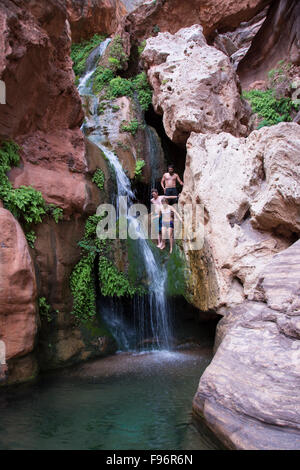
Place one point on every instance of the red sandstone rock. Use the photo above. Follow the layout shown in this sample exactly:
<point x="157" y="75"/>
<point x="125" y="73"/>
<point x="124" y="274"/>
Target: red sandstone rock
<point x="18" y="291"/>
<point x="43" y="114"/>
<point x="278" y="39"/>
<point x="89" y="17"/>
<point x="172" y="15"/>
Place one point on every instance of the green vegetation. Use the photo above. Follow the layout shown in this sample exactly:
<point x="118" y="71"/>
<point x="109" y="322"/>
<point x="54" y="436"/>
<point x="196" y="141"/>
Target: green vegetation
<point x="81" y="51"/>
<point x="176" y="269"/>
<point x="114" y="282"/>
<point x="275" y="104"/>
<point x="141" y="47"/>
<point x="139" y="168"/>
<point x="144" y="92"/>
<point x="46" y="310"/>
<point x="82" y="281"/>
<point x="119" y="87"/>
<point x="156" y="29"/>
<point x="56" y="212"/>
<point x="102" y="77"/>
<point x="25" y="203"/>
<point x="132" y="127"/>
<point x="31" y="238"/>
<point x="117" y="56"/>
<point x="115" y="108"/>
<point x="82" y="284"/>
<point x="99" y="179"/>
<point x="106" y="80"/>
<point x="269" y="108"/>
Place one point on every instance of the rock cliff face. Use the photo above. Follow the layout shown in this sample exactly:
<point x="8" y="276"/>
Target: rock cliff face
<point x="172" y="15"/>
<point x="278" y="38"/>
<point x="249" y="394"/>
<point x="247" y="268"/>
<point x="18" y="293"/>
<point x="89" y="17"/>
<point x="249" y="190"/>
<point x="43" y="114"/>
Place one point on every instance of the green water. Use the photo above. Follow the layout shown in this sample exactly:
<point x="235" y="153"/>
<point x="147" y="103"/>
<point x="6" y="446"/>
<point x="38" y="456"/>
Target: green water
<point x="122" y="402"/>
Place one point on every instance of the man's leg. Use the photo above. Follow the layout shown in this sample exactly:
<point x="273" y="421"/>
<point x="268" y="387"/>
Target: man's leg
<point x="171" y="237"/>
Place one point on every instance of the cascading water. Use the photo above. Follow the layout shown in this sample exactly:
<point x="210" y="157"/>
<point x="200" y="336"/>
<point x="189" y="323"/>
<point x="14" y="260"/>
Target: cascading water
<point x="151" y="311"/>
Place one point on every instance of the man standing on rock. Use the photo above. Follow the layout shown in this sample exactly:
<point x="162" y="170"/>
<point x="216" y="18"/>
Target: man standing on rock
<point x="168" y="183"/>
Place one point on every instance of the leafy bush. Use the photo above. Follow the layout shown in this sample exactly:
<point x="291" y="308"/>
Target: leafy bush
<point x="82" y="281"/>
<point x="116" y="52"/>
<point x="102" y="77"/>
<point x="25" y="203"/>
<point x="99" y="179"/>
<point x="82" y="284"/>
<point x="112" y="281"/>
<point x="56" y="212"/>
<point x="132" y="127"/>
<point x="139" y="168"/>
<point x="119" y="87"/>
<point x="267" y="107"/>
<point x="81" y="51"/>
<point x="31" y="237"/>
<point x="143" y="89"/>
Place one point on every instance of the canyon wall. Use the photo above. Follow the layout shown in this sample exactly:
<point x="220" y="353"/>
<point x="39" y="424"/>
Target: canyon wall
<point x="247" y="269"/>
<point x="43" y="115"/>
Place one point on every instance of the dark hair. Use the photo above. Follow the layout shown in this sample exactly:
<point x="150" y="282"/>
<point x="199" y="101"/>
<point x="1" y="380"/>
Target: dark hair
<point x="154" y="190"/>
<point x="171" y="166"/>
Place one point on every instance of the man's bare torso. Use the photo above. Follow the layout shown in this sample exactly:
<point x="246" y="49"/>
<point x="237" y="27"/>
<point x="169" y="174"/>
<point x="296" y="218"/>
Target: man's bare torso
<point x="170" y="180"/>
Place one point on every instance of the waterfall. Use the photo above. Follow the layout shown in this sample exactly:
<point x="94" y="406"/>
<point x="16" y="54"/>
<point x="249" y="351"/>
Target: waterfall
<point x="151" y="312"/>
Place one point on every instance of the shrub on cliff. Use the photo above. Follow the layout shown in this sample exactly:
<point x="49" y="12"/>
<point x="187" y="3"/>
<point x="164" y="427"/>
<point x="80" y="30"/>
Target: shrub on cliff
<point x="270" y="109"/>
<point x="25" y="203"/>
<point x="81" y="51"/>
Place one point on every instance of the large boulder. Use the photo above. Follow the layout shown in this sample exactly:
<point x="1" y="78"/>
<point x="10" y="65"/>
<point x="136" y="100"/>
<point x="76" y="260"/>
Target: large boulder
<point x="194" y="84"/>
<point x="249" y="394"/>
<point x="249" y="190"/>
<point x="18" y="297"/>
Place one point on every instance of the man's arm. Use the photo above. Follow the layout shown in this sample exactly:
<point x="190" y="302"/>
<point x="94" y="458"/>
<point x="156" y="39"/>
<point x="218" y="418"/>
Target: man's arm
<point x="163" y="182"/>
<point x="179" y="180"/>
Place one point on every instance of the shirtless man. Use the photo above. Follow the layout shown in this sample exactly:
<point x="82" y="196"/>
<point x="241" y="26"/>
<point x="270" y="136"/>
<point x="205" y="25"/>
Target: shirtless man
<point x="168" y="183"/>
